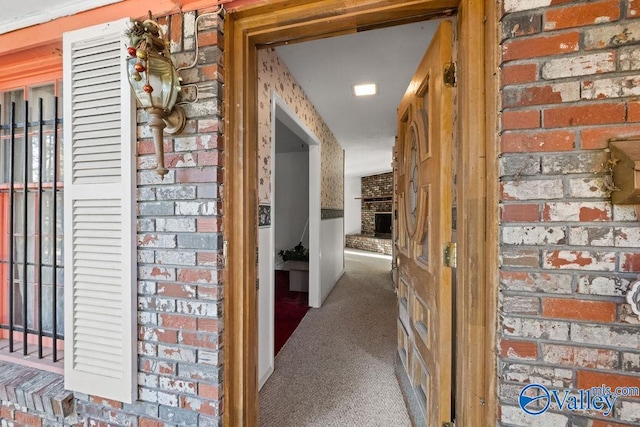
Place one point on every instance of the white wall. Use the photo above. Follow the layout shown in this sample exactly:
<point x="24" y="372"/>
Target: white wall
<point x="332" y="254"/>
<point x="291" y="199"/>
<point x="352" y="206"/>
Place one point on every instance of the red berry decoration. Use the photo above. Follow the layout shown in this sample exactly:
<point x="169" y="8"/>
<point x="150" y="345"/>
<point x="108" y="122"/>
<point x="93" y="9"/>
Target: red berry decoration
<point x="131" y="50"/>
<point x="147" y="88"/>
<point x="139" y="67"/>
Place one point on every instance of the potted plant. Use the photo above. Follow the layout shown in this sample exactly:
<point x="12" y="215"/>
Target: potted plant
<point x="297" y="253"/>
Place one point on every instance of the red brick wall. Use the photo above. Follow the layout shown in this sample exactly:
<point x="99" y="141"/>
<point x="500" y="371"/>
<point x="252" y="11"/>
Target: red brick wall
<point x="570" y="78"/>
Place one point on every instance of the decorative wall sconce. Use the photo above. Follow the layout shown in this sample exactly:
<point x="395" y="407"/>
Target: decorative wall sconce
<point x="155" y="83"/>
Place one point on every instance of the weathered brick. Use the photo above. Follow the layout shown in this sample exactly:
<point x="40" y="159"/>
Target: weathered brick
<point x="578" y="15"/>
<point x="602" y="285"/>
<point x="200" y="241"/>
<point x="563" y="308"/>
<point x="579" y="260"/>
<point x="591" y="236"/>
<point x="183" y="225"/>
<point x="631" y="362"/>
<point x="153" y="240"/>
<point x="179" y="416"/>
<point x="536" y="282"/>
<point x="533" y="235"/>
<point x="540" y="95"/>
<point x="558" y="140"/>
<point x="520" y="257"/>
<point x="514" y="415"/>
<point x="579" y="356"/>
<point x="596" y="114"/>
<point x="573" y="163"/>
<point x="633" y="9"/>
<point x="599" y="137"/>
<point x="630" y="262"/>
<point x="522" y="373"/>
<point x="531" y="47"/>
<point x="535" y="328"/>
<point x="520" y="305"/>
<point x="614" y="335"/>
<point x="585" y="188"/>
<point x="197" y="208"/>
<point x="577" y="211"/>
<point x="513" y="349"/>
<point x="532" y="190"/>
<point x="612" y="35"/>
<point x="520" y="213"/>
<point x="155" y="208"/>
<point x="618" y="87"/>
<point x="583" y="65"/>
<point x="521" y="25"/>
<point x="629" y="411"/>
<point x="519" y="164"/>
<point x="627" y="237"/>
<point x="175" y="257"/>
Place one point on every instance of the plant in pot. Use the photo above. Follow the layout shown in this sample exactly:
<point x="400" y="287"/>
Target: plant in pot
<point x="297" y="253"/>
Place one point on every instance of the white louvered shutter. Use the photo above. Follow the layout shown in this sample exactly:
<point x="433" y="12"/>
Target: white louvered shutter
<point x="99" y="216"/>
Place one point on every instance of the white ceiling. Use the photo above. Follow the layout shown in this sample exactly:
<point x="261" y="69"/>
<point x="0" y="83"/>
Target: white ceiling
<point x="24" y="13"/>
<point x="327" y="69"/>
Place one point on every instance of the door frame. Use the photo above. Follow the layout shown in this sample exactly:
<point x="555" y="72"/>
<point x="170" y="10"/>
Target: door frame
<point x="269" y="23"/>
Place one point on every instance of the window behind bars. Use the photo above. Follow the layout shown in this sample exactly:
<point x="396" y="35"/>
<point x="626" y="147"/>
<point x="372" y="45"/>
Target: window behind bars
<point x="31" y="221"/>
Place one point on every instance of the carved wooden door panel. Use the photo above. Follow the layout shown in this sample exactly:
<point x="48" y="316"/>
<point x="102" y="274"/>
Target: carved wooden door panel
<point x="423" y="171"/>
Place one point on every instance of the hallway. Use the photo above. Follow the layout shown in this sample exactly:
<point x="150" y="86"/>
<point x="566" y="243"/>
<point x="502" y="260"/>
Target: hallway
<point x="337" y="368"/>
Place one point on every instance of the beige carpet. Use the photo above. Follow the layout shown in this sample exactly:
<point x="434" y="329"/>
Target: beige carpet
<point x="337" y="368"/>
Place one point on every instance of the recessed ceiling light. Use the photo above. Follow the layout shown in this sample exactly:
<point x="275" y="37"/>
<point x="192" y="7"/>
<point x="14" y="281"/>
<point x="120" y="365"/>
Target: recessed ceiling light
<point x="365" y="89"/>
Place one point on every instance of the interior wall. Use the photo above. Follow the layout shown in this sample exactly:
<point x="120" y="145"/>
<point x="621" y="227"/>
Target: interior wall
<point x="291" y="199"/>
<point x="273" y="75"/>
<point x="332" y="250"/>
<point x="352" y="205"/>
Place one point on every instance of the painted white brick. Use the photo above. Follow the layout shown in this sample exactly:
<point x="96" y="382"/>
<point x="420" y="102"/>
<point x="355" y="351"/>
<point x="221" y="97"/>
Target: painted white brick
<point x="533" y="190"/>
<point x="511" y="6"/>
<point x="553" y="377"/>
<point x="604" y="286"/>
<point x="515" y="416"/>
<point x="629" y="59"/>
<point x="613" y="335"/>
<point x="175" y="257"/>
<point x="579" y="65"/>
<point x="533" y="235"/>
<point x="629" y="411"/>
<point x="591" y="236"/>
<point x="539" y="282"/>
<point x="153" y="240"/>
<point x="535" y="328"/>
<point x="624" y="213"/>
<point x="579" y="260"/>
<point x="589" y="187"/>
<point x="627" y="237"/>
<point x="196" y="208"/>
<point x="620" y="87"/>
<point x="184" y="225"/>
<point x="572" y="211"/>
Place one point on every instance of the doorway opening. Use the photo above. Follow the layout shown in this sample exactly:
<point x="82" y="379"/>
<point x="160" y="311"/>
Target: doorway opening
<point x="258" y="25"/>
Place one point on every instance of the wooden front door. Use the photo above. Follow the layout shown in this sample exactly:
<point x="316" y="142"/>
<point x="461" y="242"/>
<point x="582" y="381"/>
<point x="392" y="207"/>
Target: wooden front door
<point x="424" y="202"/>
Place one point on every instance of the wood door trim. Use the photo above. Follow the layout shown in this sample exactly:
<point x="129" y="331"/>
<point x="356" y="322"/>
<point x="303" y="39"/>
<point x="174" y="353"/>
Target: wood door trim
<point x="274" y="22"/>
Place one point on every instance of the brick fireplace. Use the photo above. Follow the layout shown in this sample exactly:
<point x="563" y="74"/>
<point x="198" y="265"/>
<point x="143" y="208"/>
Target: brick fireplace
<point x="377" y="198"/>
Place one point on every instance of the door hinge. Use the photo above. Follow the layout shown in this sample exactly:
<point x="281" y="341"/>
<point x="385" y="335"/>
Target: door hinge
<point x="449" y="424"/>
<point x="449" y="76"/>
<point x="450" y="255"/>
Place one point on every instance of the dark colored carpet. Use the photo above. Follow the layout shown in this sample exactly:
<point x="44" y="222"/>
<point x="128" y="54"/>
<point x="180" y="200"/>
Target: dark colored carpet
<point x="290" y="309"/>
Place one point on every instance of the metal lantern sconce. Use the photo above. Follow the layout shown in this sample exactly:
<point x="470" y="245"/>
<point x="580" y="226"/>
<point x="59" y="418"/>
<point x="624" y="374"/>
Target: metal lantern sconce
<point x="155" y="82"/>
